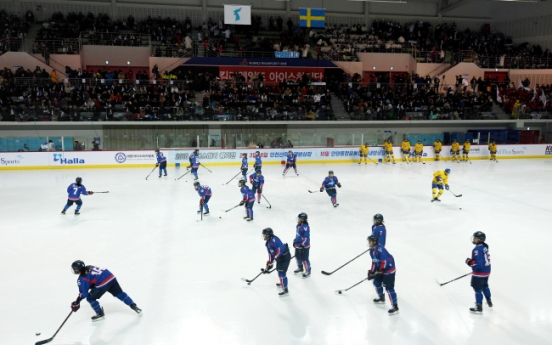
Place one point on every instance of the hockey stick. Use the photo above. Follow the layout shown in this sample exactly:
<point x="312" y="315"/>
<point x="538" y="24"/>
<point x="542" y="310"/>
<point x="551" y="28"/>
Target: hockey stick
<point x="458" y="196"/>
<point x="151" y="172"/>
<point x="371" y="160"/>
<point x="342" y="291"/>
<point x="263" y="271"/>
<point x="469" y="160"/>
<point x="232" y="179"/>
<point x="348" y="262"/>
<point x="230" y="209"/>
<point x="450" y="281"/>
<point x="206" y="168"/>
<point x="187" y="172"/>
<point x="269" y="205"/>
<point x="101" y="192"/>
<point x="316" y="191"/>
<point x="53" y="336"/>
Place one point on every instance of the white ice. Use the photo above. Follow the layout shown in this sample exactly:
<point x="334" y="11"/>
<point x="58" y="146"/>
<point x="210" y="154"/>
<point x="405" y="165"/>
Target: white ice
<point x="185" y="274"/>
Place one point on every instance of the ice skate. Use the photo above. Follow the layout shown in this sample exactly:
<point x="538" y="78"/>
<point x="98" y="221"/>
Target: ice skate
<point x="135" y="308"/>
<point x="306" y="275"/>
<point x="63" y="211"/>
<point x="77" y="212"/>
<point x="489" y="303"/>
<point x="394" y="310"/>
<point x="298" y="270"/>
<point x="380" y="300"/>
<point x="99" y="316"/>
<point x="477" y="309"/>
<point x="284" y="293"/>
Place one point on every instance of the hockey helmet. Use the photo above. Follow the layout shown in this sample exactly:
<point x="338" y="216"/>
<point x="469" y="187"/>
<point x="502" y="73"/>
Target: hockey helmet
<point x="78" y="181"/>
<point x="378" y="217"/>
<point x="373" y="238"/>
<point x="78" y="266"/>
<point x="479" y="235"/>
<point x="447" y="171"/>
<point x="303" y="216"/>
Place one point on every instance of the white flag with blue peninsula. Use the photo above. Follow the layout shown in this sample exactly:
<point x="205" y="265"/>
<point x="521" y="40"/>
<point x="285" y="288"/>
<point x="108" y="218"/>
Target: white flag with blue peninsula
<point x="237" y="14"/>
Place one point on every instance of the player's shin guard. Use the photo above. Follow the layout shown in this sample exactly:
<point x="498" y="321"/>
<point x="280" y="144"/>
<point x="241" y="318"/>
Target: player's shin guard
<point x="334" y="199"/>
<point x="306" y="266"/>
<point x="379" y="288"/>
<point x="441" y="191"/>
<point x="434" y="192"/>
<point x="94" y="304"/>
<point x="250" y="213"/>
<point x="125" y="298"/>
<point x="487" y="293"/>
<point x="283" y="280"/>
<point x="259" y="197"/>
<point x="392" y="296"/>
<point x="478" y="296"/>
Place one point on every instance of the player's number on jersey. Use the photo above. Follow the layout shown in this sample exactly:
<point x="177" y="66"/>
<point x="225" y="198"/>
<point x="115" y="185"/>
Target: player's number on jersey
<point x="76" y="189"/>
<point x="487" y="258"/>
<point x="96" y="271"/>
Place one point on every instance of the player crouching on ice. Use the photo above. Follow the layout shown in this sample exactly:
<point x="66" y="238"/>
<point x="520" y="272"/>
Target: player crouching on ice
<point x="93" y="282"/>
<point x="440" y="179"/>
<point x="383" y="273"/>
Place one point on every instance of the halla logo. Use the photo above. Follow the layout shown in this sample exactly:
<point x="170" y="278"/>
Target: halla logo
<point x="58" y="157"/>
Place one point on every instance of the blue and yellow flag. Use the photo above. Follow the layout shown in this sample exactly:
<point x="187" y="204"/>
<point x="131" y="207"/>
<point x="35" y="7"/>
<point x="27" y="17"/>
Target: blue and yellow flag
<point x="312" y="17"/>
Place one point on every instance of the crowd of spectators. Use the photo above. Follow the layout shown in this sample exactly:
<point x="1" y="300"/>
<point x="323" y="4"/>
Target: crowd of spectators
<point x="14" y="31"/>
<point x="522" y="101"/>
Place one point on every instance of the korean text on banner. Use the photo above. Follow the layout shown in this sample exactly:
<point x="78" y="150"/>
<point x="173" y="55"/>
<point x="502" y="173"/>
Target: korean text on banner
<point x="237" y="14"/>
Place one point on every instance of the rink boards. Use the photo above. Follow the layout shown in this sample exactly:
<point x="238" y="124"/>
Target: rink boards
<point x="218" y="157"/>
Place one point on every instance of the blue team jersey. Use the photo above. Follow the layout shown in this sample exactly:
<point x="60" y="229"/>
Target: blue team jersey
<point x="330" y="182"/>
<point x="161" y="157"/>
<point x="204" y="191"/>
<point x="191" y="158"/>
<point x="292" y="159"/>
<point x="482" y="267"/>
<point x="94" y="276"/>
<point x="258" y="162"/>
<point x="75" y="191"/>
<point x="247" y="194"/>
<point x="244" y="165"/>
<point x="302" y="236"/>
<point x="256" y="180"/>
<point x="382" y="261"/>
<point x="381" y="232"/>
<point x="275" y="248"/>
<point x="195" y="162"/>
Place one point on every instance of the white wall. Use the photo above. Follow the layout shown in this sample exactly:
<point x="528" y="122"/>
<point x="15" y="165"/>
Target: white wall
<point x="117" y="56"/>
<point x="383" y="62"/>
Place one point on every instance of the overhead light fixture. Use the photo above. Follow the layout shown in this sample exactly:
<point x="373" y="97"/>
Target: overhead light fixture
<point x="128" y="62"/>
<point x="374" y="67"/>
<point x="391" y="67"/>
<point x="106" y="62"/>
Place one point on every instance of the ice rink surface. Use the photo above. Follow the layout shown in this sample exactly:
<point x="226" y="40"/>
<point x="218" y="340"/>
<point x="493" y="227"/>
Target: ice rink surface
<point x="185" y="274"/>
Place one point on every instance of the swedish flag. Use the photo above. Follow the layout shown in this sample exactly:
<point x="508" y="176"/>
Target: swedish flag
<point x="312" y="17"/>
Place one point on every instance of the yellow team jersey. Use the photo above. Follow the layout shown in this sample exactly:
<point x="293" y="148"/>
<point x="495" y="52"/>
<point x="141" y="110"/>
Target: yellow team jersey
<point x="388" y="146"/>
<point x="442" y="175"/>
<point x="363" y="150"/>
<point x="467" y="147"/>
<point x="419" y="147"/>
<point x="437" y="146"/>
<point x="492" y="147"/>
<point x="405" y="146"/>
<point x="455" y="147"/>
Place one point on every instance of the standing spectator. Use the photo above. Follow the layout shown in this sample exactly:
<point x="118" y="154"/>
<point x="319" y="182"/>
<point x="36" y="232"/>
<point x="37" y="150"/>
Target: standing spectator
<point x="46" y="56"/>
<point x="155" y="72"/>
<point x="50" y="146"/>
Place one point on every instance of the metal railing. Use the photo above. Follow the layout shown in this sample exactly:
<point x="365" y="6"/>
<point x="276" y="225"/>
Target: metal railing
<point x="62" y="46"/>
<point x="115" y="39"/>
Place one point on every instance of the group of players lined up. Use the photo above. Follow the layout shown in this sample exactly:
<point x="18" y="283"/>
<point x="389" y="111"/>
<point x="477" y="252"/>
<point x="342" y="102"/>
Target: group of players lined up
<point x="418" y="151"/>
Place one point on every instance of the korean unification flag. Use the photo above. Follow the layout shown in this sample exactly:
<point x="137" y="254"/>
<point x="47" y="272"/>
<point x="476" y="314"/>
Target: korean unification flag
<point x="237" y="14"/>
<point x="312" y="17"/>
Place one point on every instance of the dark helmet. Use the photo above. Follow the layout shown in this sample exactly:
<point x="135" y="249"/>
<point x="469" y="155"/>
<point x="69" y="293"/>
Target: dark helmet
<point x="365" y="144"/>
<point x="244" y="154"/>
<point x="78" y="180"/>
<point x="493" y="142"/>
<point x="420" y="141"/>
<point x="241" y="182"/>
<point x="157" y="150"/>
<point x="303" y="216"/>
<point x="373" y="238"/>
<point x="78" y="266"/>
<point x="196" y="151"/>
<point x="447" y="171"/>
<point x="330" y="172"/>
<point x="196" y="184"/>
<point x="378" y="217"/>
<point x="258" y="152"/>
<point x="480" y="235"/>
<point x="290" y="152"/>
<point x="268" y="231"/>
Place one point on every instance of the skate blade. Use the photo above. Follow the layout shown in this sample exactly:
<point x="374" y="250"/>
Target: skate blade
<point x="98" y="319"/>
<point x="394" y="313"/>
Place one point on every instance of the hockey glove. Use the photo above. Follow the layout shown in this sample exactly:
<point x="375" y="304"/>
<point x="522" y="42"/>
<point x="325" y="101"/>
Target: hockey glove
<point x="470" y="262"/>
<point x="300" y="250"/>
<point x="339" y="185"/>
<point x="242" y="203"/>
<point x="447" y="187"/>
<point x="201" y="203"/>
<point x="189" y="166"/>
<point x="269" y="266"/>
<point x="321" y="189"/>
<point x="371" y="275"/>
<point x="75" y="306"/>
<point x="260" y="191"/>
<point x="90" y="192"/>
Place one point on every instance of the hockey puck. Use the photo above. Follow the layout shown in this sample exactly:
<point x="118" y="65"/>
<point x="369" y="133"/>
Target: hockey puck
<point x="38" y="333"/>
<point x="248" y="283"/>
<point x="220" y="217"/>
<point x="339" y="292"/>
<point x="460" y="208"/>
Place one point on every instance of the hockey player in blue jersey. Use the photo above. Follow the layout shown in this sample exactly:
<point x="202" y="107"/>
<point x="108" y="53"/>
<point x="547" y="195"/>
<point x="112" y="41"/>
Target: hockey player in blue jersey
<point x="192" y="155"/>
<point x="302" y="245"/>
<point x="248" y="199"/>
<point x="480" y="263"/>
<point x="383" y="273"/>
<point x="291" y="161"/>
<point x="257" y="182"/>
<point x="205" y="193"/>
<point x="379" y="230"/>
<point x="329" y="183"/>
<point x="161" y="162"/>
<point x="93" y="283"/>
<point x="258" y="162"/>
<point x="74" y="191"/>
<point x="244" y="166"/>
<point x="195" y="165"/>
<point x="279" y="252"/>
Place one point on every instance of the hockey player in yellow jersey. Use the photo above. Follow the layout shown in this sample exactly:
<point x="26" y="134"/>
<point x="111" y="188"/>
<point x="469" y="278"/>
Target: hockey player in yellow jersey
<point x="388" y="147"/>
<point x="440" y="180"/>
<point x="437" y="146"/>
<point x="492" y="148"/>
<point x="405" y="148"/>
<point x="466" y="150"/>
<point x="455" y="151"/>
<point x="363" y="150"/>
<point x="419" y="151"/>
